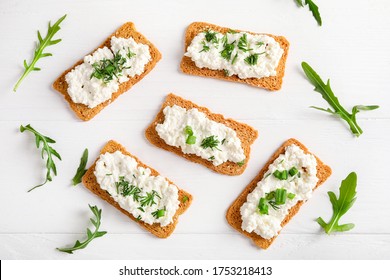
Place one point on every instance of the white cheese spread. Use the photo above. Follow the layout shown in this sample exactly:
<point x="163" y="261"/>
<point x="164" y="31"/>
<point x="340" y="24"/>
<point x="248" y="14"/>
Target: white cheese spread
<point x="87" y="89"/>
<point x="151" y="199"/>
<point x="241" y="54"/>
<point x="299" y="187"/>
<point x="225" y="147"/>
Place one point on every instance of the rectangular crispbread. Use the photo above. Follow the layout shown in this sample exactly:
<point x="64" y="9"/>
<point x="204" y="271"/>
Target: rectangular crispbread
<point x="189" y="67"/>
<point x="246" y="134"/>
<point x="233" y="214"/>
<point x="127" y="30"/>
<point x="89" y="181"/>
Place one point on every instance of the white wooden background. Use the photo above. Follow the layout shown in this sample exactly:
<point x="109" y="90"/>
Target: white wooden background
<point x="352" y="48"/>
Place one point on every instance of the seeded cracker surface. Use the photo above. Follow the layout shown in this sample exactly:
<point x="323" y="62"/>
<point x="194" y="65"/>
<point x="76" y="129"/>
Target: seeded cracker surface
<point x="233" y="214"/>
<point x="127" y="30"/>
<point x="189" y="67"/>
<point x="246" y="134"/>
<point x="89" y="181"/>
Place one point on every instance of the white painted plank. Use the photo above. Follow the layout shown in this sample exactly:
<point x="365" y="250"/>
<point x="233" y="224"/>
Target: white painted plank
<point x="196" y="246"/>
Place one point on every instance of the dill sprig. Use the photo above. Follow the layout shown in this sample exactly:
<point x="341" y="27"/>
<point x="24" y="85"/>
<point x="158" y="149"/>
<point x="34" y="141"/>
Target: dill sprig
<point x="243" y="43"/>
<point x="210" y="142"/>
<point x="148" y="199"/>
<point x="253" y="58"/>
<point x="211" y="37"/>
<point x="107" y="69"/>
<point x="41" y="45"/>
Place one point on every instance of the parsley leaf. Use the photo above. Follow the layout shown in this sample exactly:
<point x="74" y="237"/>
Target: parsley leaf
<point x="41" y="45"/>
<point x="328" y="95"/>
<point x="90" y="235"/>
<point x="46" y="148"/>
<point x="81" y="169"/>
<point x="341" y="205"/>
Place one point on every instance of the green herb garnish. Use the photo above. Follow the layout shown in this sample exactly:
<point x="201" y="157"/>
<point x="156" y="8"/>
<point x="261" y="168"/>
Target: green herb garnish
<point x="184" y="199"/>
<point x="273" y="205"/>
<point x="141" y="209"/>
<point x="210" y="142"/>
<point x="226" y="72"/>
<point x="263" y="207"/>
<point x="148" y="200"/>
<point x="341" y="205"/>
<point x="191" y="139"/>
<point x="38" y="53"/>
<point x="130" y="54"/>
<point x="293" y="171"/>
<point x="241" y="163"/>
<point x="107" y="69"/>
<point x="234" y="58"/>
<point x="81" y="169"/>
<point x="211" y="36"/>
<point x="313" y="8"/>
<point x="46" y="148"/>
<point x="281" y="175"/>
<point x="159" y="213"/>
<point x="253" y="58"/>
<point x="290" y="195"/>
<point x="227" y="51"/>
<point x="280" y="196"/>
<point x="231" y="31"/>
<point x="90" y="235"/>
<point x="338" y="110"/>
<point x="243" y="43"/>
<point x="211" y="158"/>
<point x="259" y="44"/>
<point x="205" y="47"/>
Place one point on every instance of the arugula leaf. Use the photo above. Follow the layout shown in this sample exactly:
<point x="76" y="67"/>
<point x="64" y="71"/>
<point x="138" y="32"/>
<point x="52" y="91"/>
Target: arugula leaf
<point x="341" y="205"/>
<point x="90" y="235"/>
<point x="50" y="152"/>
<point x="313" y="8"/>
<point x="41" y="45"/>
<point x="81" y="169"/>
<point x="338" y="109"/>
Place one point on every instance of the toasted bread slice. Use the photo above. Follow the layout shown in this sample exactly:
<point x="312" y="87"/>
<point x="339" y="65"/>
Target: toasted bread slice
<point x="125" y="31"/>
<point x="189" y="67"/>
<point x="233" y="214"/>
<point x="89" y="181"/>
<point x="246" y="134"/>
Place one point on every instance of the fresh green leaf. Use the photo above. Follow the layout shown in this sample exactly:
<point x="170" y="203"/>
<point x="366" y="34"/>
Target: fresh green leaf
<point x="46" y="148"/>
<point x="211" y="36"/>
<point x="241" y="163"/>
<point x="90" y="235"/>
<point x="184" y="199"/>
<point x="81" y="169"/>
<point x="338" y="110"/>
<point x="227" y="51"/>
<point x="313" y="8"/>
<point x="253" y="58"/>
<point x="205" y="48"/>
<point x="38" y="53"/>
<point x="341" y="205"/>
<point x="315" y="11"/>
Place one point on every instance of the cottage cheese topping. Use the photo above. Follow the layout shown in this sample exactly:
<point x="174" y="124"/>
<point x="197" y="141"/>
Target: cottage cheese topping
<point x="88" y="90"/>
<point x="172" y="131"/>
<point x="111" y="168"/>
<point x="302" y="184"/>
<point x="209" y="54"/>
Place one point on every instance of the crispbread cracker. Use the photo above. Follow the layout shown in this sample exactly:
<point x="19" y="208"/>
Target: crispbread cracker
<point x="189" y="67"/>
<point x="127" y="30"/>
<point x="89" y="181"/>
<point x="233" y="214"/>
<point x="246" y="134"/>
